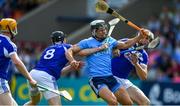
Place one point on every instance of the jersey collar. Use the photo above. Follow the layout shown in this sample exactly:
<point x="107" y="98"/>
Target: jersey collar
<point x="5" y="36"/>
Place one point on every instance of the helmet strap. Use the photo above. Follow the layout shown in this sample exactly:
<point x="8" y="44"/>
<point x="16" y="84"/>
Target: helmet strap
<point x="12" y="35"/>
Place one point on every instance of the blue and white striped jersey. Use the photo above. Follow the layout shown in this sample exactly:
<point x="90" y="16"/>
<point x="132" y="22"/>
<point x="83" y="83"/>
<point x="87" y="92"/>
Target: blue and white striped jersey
<point x="7" y="48"/>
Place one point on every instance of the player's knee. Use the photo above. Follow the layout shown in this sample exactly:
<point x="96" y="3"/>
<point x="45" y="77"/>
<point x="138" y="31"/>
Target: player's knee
<point x="144" y="102"/>
<point x="130" y="102"/>
<point x="112" y="101"/>
<point x="127" y="102"/>
<point x="35" y="91"/>
<point x="30" y="103"/>
<point x="35" y="99"/>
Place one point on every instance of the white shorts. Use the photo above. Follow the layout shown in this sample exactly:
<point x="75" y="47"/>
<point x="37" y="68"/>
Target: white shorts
<point x="47" y="80"/>
<point x="124" y="82"/>
<point x="4" y="86"/>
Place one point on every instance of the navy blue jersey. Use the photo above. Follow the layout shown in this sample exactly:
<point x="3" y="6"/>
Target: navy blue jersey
<point x="7" y="48"/>
<point x="53" y="59"/>
<point x="121" y="65"/>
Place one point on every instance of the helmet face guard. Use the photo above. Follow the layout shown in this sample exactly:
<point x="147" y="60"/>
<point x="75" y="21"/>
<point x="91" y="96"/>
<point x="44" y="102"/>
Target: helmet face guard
<point x="149" y="39"/>
<point x="57" y="36"/>
<point x="97" y="24"/>
<point x="9" y="25"/>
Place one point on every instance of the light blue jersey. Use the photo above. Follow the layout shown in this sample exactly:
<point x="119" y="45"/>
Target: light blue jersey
<point x="53" y="59"/>
<point x="7" y="48"/>
<point x="99" y="63"/>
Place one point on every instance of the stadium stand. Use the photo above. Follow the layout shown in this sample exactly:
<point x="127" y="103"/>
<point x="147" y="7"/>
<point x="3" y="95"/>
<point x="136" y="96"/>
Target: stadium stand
<point x="162" y="17"/>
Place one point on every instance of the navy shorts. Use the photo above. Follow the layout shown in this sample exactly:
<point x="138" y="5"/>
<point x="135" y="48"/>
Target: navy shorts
<point x="97" y="83"/>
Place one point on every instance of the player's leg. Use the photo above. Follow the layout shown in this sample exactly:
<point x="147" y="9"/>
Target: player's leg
<point x="35" y="98"/>
<point x="108" y="96"/>
<point x="123" y="97"/>
<point x="49" y="81"/>
<point x="102" y="90"/>
<point x="7" y="99"/>
<point x="119" y="91"/>
<point x="5" y="94"/>
<point x="138" y="96"/>
<point x="135" y="93"/>
<point x="54" y="101"/>
<point x="35" y="94"/>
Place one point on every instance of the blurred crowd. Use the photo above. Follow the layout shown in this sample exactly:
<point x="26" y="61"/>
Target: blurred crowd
<point x="164" y="61"/>
<point x="17" y="8"/>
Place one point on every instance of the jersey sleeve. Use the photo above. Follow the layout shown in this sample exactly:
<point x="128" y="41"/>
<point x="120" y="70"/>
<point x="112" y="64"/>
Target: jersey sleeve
<point x="68" y="46"/>
<point x="145" y="57"/>
<point x="83" y="44"/>
<point x="113" y="42"/>
<point x="10" y="48"/>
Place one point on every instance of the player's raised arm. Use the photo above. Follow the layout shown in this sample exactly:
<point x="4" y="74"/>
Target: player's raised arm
<point x="132" y="41"/>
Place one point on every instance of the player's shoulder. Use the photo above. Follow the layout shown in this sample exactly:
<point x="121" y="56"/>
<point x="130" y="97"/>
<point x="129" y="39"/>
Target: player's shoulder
<point x="59" y="46"/>
<point x="90" y="39"/>
<point x="6" y="41"/>
<point x="67" y="45"/>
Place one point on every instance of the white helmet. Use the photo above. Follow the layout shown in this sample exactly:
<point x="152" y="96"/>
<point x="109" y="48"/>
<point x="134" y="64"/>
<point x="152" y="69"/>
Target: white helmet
<point x="150" y="35"/>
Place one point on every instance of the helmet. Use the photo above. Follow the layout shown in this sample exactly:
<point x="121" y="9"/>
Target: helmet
<point x="8" y="25"/>
<point x="150" y="36"/>
<point x="57" y="36"/>
<point x="96" y="24"/>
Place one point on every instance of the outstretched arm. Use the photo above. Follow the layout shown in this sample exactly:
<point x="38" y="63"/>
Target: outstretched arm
<point x="132" y="41"/>
<point x="22" y="69"/>
<point x="66" y="70"/>
<point x="69" y="68"/>
<point x="90" y="51"/>
<point x="70" y="56"/>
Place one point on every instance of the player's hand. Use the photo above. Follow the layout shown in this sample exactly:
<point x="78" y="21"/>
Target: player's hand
<point x="81" y="64"/>
<point x="134" y="58"/>
<point x="103" y="46"/>
<point x="74" y="64"/>
<point x="143" y="33"/>
<point x="33" y="83"/>
<point x="116" y="52"/>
